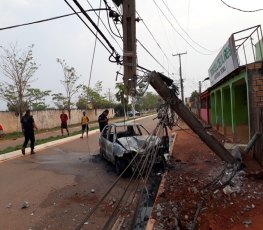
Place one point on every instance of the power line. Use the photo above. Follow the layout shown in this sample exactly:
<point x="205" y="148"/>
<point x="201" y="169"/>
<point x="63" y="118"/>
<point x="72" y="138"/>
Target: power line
<point x="59" y="17"/>
<point x="105" y="25"/>
<point x="184" y="29"/>
<point x="88" y="27"/>
<point x="245" y="11"/>
<point x="151" y="55"/>
<point x="109" y="8"/>
<point x="93" y="24"/>
<point x="113" y="51"/>
<point x="84" y="13"/>
<point x="45" y="20"/>
<point x="153" y="37"/>
<point x="178" y="32"/>
<point x="94" y="49"/>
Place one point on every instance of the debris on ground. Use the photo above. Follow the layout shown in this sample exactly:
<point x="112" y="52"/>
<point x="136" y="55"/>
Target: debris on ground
<point x="201" y="192"/>
<point x="25" y="205"/>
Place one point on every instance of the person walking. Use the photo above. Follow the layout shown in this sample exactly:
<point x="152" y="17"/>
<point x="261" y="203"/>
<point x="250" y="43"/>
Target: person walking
<point x="2" y="134"/>
<point x="84" y="124"/>
<point x="64" y="122"/>
<point x="103" y="119"/>
<point x="28" y="126"/>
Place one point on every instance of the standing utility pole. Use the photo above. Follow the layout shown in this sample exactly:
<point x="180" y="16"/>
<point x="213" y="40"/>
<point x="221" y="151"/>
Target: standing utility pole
<point x="109" y="95"/>
<point x="180" y="72"/>
<point x="129" y="46"/>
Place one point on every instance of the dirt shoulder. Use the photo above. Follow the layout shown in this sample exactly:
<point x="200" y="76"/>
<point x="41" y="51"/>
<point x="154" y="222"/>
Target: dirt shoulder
<point x="193" y="165"/>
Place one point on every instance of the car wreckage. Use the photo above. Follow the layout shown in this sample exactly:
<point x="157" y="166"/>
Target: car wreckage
<point x="127" y="145"/>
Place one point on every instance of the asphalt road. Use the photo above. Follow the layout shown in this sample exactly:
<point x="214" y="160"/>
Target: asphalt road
<point x="59" y="184"/>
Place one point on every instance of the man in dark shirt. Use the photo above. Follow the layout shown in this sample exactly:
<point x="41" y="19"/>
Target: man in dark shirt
<point x="103" y="119"/>
<point x="28" y="126"/>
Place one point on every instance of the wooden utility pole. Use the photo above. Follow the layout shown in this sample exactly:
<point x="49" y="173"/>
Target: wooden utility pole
<point x="180" y="72"/>
<point x="129" y="46"/>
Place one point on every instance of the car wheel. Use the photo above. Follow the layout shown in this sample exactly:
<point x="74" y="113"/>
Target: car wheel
<point x="101" y="154"/>
<point x="120" y="165"/>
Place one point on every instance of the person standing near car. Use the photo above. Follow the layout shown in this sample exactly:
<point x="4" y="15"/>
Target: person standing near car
<point x="28" y="126"/>
<point x="103" y="119"/>
<point x="64" y="122"/>
<point x="84" y="124"/>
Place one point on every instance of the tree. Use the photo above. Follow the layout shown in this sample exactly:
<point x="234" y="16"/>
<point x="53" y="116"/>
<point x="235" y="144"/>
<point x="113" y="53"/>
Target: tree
<point x="92" y="96"/>
<point x="69" y="83"/>
<point x="18" y="67"/>
<point x="82" y="103"/>
<point x="194" y="94"/>
<point x="122" y="96"/>
<point x="149" y="101"/>
<point x="59" y="100"/>
<point x="36" y="98"/>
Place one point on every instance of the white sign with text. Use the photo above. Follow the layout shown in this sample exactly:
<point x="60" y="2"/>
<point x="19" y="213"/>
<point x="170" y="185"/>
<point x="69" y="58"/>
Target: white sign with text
<point x="225" y="63"/>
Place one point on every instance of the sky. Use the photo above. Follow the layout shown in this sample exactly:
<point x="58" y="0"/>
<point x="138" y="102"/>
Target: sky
<point x="200" y="28"/>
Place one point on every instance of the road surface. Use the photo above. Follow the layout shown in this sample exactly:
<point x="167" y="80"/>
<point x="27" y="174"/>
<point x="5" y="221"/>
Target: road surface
<point x="58" y="186"/>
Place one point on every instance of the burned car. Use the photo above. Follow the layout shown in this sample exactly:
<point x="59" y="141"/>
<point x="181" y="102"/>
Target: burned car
<point x="120" y="142"/>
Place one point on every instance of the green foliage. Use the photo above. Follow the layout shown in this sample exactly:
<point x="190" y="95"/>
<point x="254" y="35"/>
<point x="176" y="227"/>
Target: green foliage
<point x="36" y="98"/>
<point x="82" y="103"/>
<point x="122" y="95"/>
<point x="119" y="111"/>
<point x="194" y="94"/>
<point x="149" y="101"/>
<point x="59" y="100"/>
<point x="39" y="106"/>
<point x="92" y="98"/>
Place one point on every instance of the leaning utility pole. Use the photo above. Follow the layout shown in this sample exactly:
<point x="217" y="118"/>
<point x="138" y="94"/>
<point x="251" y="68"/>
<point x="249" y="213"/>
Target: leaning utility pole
<point x="164" y="87"/>
<point x="129" y="46"/>
<point x="180" y="72"/>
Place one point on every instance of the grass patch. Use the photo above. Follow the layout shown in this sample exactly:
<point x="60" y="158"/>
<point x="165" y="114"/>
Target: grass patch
<point x="42" y="141"/>
<point x="15" y="135"/>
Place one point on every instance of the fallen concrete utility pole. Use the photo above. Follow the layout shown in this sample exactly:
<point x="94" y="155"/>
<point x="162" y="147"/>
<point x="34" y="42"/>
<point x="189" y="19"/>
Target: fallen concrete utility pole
<point x="164" y="87"/>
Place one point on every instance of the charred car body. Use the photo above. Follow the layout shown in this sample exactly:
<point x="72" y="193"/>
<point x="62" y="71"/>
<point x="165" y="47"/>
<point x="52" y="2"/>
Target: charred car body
<point x="121" y="142"/>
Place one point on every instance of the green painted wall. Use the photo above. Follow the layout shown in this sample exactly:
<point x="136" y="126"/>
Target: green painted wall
<point x="226" y="106"/>
<point x="241" y="103"/>
<point x="218" y="108"/>
<point x="259" y="54"/>
<point x="213" y="109"/>
<point x="229" y="102"/>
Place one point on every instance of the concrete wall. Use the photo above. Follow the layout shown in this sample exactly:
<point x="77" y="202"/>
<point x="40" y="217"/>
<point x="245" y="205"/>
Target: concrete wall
<point x="47" y="119"/>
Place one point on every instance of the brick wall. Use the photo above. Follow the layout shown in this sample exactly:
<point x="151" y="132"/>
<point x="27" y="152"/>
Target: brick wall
<point x="47" y="119"/>
<point x="255" y="85"/>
